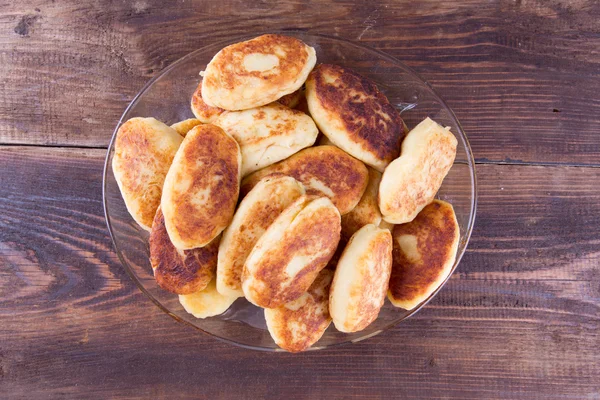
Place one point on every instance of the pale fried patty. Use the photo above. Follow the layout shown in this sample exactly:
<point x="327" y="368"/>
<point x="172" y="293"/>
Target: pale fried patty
<point x="361" y="279"/>
<point x="411" y="181"/>
<point x="268" y="134"/>
<point x="254" y="215"/>
<point x="144" y="150"/>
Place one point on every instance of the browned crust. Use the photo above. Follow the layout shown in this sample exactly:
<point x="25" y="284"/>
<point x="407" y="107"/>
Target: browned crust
<point x="366" y="114"/>
<point x="180" y="273"/>
<point x="232" y="57"/>
<point x="219" y="154"/>
<point x="436" y="230"/>
<point x="303" y="105"/>
<point x="345" y="175"/>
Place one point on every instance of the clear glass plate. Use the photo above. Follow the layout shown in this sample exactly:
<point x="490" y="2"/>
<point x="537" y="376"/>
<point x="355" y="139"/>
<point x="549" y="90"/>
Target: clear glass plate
<point x="167" y="98"/>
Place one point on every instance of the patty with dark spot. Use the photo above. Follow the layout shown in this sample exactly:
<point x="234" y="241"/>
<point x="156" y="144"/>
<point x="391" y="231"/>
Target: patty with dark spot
<point x="293" y="250"/>
<point x="351" y="111"/>
<point x="424" y="253"/>
<point x="180" y="272"/>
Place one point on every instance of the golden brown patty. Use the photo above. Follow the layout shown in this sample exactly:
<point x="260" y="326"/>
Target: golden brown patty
<point x="324" y="171"/>
<point x="288" y="256"/>
<point x="361" y="279"/>
<point x="350" y="110"/>
<point x="411" y="181"/>
<point x="205" y="113"/>
<point x="299" y="324"/>
<point x="424" y="253"/>
<point x="144" y="150"/>
<point x="366" y="211"/>
<point x="183" y="127"/>
<point x="202" y="187"/>
<point x="180" y="271"/>
<point x="254" y="215"/>
<point x="268" y="134"/>
<point x="256" y="72"/>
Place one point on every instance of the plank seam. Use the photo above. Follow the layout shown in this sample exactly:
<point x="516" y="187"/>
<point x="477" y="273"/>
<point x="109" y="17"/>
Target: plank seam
<point x="478" y="161"/>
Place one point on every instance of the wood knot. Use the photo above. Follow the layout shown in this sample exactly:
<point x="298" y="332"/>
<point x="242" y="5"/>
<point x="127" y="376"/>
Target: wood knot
<point x="25" y="24"/>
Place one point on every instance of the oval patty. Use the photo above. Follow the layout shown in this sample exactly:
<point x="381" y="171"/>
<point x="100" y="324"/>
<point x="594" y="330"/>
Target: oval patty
<point x="144" y="150"/>
<point x="361" y="279"/>
<point x="424" y="253"/>
<point x="351" y="111"/>
<point x="288" y="256"/>
<point x="268" y="134"/>
<point x="411" y="181"/>
<point x="201" y="188"/>
<point x="257" y="72"/>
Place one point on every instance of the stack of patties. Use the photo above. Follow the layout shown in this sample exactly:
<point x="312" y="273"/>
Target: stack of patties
<point x="240" y="203"/>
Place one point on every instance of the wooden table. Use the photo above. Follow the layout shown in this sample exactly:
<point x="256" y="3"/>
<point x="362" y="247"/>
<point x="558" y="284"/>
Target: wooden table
<point x="519" y="319"/>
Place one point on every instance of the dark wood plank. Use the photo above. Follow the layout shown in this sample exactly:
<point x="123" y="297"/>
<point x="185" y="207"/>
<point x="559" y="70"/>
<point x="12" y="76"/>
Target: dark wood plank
<point x="519" y="319"/>
<point x="521" y="76"/>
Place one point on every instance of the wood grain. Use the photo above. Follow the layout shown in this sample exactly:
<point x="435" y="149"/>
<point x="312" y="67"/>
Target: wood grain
<point x="522" y="76"/>
<point x="520" y="318"/>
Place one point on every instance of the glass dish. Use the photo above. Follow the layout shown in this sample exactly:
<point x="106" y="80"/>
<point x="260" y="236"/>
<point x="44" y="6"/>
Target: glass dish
<point x="167" y="98"/>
